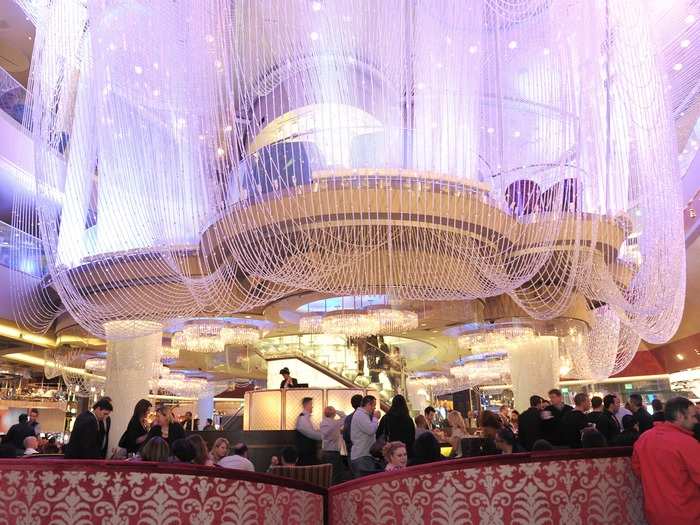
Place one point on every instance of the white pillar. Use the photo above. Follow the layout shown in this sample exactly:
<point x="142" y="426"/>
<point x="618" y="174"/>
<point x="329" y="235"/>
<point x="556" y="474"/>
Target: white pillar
<point x="534" y="369"/>
<point x="130" y="369"/>
<point x="205" y="409"/>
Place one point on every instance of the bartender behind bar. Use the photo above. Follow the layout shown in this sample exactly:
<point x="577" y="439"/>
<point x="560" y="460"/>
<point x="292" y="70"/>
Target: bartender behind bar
<point x="288" y="381"/>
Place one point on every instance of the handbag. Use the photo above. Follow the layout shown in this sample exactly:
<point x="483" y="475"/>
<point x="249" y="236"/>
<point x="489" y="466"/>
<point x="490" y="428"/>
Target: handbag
<point x="377" y="449"/>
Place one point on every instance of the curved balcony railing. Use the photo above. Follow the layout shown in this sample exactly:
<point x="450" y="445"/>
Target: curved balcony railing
<point x="21" y="252"/>
<point x="13" y="97"/>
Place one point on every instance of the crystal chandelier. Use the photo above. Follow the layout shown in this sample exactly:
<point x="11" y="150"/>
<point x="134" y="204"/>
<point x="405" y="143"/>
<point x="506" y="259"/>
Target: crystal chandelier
<point x="483" y="371"/>
<point x="96" y="364"/>
<point x="486" y="149"/>
<point x="213" y="336"/>
<point x="360" y="323"/>
<point x="170" y="354"/>
<point x="181" y="385"/>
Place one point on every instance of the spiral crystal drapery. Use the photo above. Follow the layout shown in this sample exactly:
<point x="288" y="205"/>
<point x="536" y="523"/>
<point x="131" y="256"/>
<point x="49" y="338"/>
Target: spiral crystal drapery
<point x="205" y="336"/>
<point x="214" y="158"/>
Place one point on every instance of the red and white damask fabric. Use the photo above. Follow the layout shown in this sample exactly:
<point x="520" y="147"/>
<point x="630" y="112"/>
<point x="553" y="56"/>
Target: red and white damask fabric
<point x="64" y="496"/>
<point x="590" y="491"/>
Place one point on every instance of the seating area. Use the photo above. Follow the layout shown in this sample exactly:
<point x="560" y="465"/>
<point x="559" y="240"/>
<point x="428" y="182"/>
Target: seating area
<point x="591" y="486"/>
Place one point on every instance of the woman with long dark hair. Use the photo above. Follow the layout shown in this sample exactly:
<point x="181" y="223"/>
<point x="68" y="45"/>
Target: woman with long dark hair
<point x="137" y="429"/>
<point x="397" y="425"/>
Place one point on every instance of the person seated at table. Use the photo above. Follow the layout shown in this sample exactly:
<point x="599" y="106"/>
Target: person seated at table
<point x="426" y="449"/>
<point x="459" y="432"/>
<point x="239" y="460"/>
<point x="592" y="438"/>
<point x="202" y="452"/>
<point x="542" y="444"/>
<point x="219" y="450"/>
<point x="505" y="441"/>
<point x="421" y="425"/>
<point x="395" y="455"/>
<point x="156" y="449"/>
<point x="629" y="434"/>
<point x="31" y="445"/>
<point x="183" y="451"/>
<point x="490" y="425"/>
<point x="288" y="381"/>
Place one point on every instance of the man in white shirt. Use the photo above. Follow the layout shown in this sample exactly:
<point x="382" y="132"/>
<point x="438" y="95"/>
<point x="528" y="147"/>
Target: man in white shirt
<point x="239" y="460"/>
<point x="308" y="438"/>
<point x="362" y="434"/>
<point x="30" y="445"/>
<point x="330" y="440"/>
<point x="619" y="410"/>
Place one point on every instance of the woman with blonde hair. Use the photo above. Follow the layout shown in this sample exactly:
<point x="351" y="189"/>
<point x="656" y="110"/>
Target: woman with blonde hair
<point x="219" y="451"/>
<point x="165" y="426"/>
<point x="459" y="431"/>
<point x="395" y="455"/>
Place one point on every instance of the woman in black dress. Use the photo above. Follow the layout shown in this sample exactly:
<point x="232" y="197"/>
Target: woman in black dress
<point x="397" y="425"/>
<point x="166" y="427"/>
<point x="137" y="429"/>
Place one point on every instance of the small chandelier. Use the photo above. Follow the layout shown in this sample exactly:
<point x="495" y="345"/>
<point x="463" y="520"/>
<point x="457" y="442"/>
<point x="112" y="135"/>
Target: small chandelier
<point x="360" y="323"/>
<point x="169" y="353"/>
<point x="494" y="336"/>
<point x="483" y="371"/>
<point x="350" y="323"/>
<point x="96" y="364"/>
<point x="213" y="336"/>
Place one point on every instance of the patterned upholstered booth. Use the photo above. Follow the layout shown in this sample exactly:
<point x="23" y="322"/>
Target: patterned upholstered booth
<point x="567" y="487"/>
<point x="40" y="492"/>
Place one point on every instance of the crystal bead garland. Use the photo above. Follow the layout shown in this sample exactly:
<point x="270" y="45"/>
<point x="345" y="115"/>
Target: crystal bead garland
<point x="528" y="160"/>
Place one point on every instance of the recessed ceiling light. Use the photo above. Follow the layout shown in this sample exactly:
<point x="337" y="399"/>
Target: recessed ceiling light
<point x="316" y="6"/>
<point x="512" y="44"/>
<point x="473" y="49"/>
<point x="677" y="67"/>
<point x="690" y="19"/>
<point x="138" y="70"/>
<point x="314" y="36"/>
<point x="685" y="43"/>
<point x="680" y="357"/>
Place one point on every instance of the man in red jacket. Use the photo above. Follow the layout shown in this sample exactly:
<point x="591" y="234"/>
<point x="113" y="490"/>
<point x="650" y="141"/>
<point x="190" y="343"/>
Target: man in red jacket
<point x="667" y="459"/>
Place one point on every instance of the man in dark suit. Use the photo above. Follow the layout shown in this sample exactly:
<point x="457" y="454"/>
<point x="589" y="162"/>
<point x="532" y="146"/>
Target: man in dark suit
<point x="288" y="381"/>
<point x="188" y="423"/>
<point x="88" y="440"/>
<point x="639" y="411"/>
<point x="574" y="421"/>
<point x="530" y="423"/>
<point x="19" y="431"/>
<point x="597" y="410"/>
<point x="558" y="409"/>
<point x="608" y="425"/>
<point x="658" y="415"/>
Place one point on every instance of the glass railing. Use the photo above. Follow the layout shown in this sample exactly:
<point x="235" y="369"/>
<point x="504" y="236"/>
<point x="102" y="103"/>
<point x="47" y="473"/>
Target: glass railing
<point x="13" y="97"/>
<point x="21" y="252"/>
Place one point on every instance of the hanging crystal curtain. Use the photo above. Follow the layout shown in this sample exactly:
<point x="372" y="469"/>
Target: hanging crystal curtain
<point x="214" y="157"/>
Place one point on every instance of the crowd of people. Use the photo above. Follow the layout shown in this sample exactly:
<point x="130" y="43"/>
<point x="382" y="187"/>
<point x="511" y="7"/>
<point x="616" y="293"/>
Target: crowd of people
<point x="362" y="442"/>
